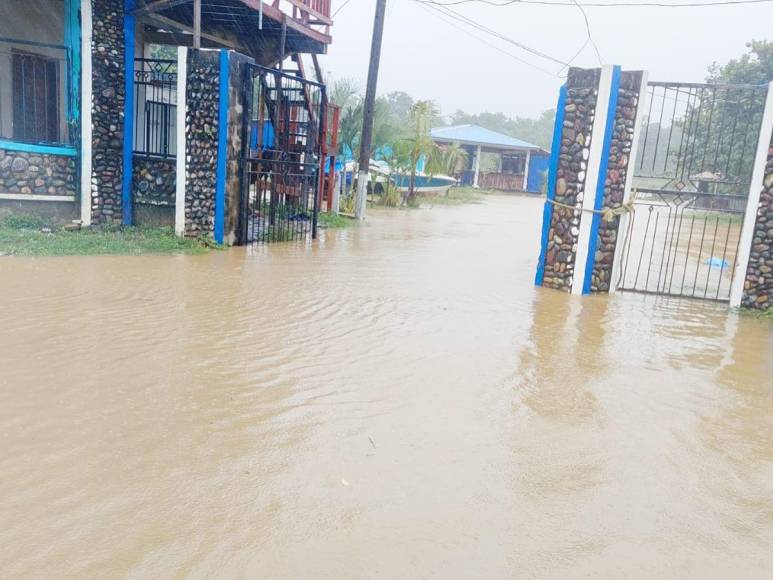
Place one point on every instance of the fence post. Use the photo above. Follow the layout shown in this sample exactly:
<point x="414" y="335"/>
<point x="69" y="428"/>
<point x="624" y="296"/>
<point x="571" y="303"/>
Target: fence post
<point x="179" y="198"/>
<point x="597" y="153"/>
<point x="622" y="228"/>
<point x="747" y="283"/>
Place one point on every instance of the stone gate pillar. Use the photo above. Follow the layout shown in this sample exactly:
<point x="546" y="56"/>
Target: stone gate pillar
<point x="752" y="285"/>
<point x="593" y="144"/>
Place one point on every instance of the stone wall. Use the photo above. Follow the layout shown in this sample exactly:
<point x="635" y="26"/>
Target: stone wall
<point x="579" y="111"/>
<point x="236" y="111"/>
<point x="201" y="126"/>
<point x="153" y="180"/>
<point x="107" y="109"/>
<point x="758" y="286"/>
<point x="614" y="184"/>
<point x="37" y="173"/>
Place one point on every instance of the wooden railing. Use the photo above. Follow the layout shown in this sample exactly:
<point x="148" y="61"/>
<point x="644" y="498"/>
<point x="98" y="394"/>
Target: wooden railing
<point x="309" y="11"/>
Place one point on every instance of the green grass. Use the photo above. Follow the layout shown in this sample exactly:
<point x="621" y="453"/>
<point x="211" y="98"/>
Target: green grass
<point x="334" y="221"/>
<point x="761" y="314"/>
<point x="455" y="196"/>
<point x="17" y="238"/>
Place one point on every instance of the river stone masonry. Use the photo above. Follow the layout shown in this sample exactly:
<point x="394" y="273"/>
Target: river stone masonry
<point x="201" y="127"/>
<point x="37" y="173"/>
<point x="153" y="180"/>
<point x="758" y="286"/>
<point x="579" y="112"/>
<point x="614" y="182"/>
<point x="107" y="110"/>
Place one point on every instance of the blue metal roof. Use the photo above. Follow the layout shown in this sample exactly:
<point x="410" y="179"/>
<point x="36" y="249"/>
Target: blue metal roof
<point x="476" y="135"/>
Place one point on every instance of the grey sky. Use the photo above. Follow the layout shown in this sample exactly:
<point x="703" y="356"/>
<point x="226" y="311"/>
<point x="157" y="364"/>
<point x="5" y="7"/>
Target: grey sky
<point x="429" y="58"/>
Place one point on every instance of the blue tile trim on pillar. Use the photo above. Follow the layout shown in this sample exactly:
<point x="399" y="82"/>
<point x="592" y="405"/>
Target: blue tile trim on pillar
<point x="222" y="141"/>
<point x="547" y="211"/>
<point x="609" y="131"/>
<point x="128" y="119"/>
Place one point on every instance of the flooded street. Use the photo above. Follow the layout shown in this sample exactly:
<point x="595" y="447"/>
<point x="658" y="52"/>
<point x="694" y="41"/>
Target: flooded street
<point x="396" y="401"/>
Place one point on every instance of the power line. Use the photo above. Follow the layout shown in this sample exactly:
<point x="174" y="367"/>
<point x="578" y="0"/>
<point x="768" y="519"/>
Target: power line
<point x="504" y="3"/>
<point x="439" y="14"/>
<point x="341" y="7"/>
<point x="587" y="28"/>
<point x="477" y="25"/>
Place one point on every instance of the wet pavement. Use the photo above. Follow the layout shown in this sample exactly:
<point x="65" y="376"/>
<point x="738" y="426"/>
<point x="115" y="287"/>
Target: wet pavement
<point x="395" y="401"/>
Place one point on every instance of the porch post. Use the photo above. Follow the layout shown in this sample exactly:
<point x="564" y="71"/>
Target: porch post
<point x="86" y="129"/>
<point x="179" y="199"/>
<point x="477" y="167"/>
<point x="760" y="182"/>
<point x="526" y="170"/>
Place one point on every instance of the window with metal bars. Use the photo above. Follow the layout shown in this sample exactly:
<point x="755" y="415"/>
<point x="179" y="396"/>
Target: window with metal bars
<point x="35" y="97"/>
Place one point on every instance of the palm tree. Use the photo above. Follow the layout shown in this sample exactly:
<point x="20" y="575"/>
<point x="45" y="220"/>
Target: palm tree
<point x="421" y="144"/>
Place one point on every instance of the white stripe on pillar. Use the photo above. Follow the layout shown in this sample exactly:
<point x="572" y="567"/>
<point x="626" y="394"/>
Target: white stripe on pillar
<point x="180" y="178"/>
<point x="752" y="202"/>
<point x="592" y="177"/>
<point x="622" y="228"/>
<point x="86" y="130"/>
<point x="526" y="170"/>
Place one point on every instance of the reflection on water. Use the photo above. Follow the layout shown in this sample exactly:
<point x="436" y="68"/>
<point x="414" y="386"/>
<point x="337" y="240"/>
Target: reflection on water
<point x="395" y="401"/>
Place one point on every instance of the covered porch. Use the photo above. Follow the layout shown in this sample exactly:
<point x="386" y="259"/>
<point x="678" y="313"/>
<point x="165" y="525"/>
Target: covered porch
<point x="518" y="164"/>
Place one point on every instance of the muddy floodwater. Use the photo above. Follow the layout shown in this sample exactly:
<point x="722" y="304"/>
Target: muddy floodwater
<point x="396" y="401"/>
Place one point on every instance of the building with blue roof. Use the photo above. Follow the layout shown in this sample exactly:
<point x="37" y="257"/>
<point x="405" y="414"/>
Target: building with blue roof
<point x="521" y="166"/>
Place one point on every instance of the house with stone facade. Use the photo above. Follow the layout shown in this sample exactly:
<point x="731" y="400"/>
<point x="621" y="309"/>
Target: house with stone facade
<point x="133" y="111"/>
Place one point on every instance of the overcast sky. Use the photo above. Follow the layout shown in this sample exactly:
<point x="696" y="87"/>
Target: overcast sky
<point x="430" y="58"/>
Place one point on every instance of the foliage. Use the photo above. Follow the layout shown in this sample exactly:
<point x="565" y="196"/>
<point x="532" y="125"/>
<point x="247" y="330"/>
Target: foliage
<point x="335" y="221"/>
<point x="96" y="240"/>
<point x="455" y="196"/>
<point x="755" y="67"/>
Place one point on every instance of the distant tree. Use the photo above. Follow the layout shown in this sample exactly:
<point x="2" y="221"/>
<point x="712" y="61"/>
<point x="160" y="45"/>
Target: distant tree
<point x="755" y="67"/>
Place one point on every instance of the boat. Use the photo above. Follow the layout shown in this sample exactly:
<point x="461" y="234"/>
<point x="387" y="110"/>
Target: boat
<point x="425" y="184"/>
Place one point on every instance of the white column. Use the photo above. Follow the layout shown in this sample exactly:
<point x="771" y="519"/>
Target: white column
<point x="86" y="129"/>
<point x="477" y="167"/>
<point x="180" y="178"/>
<point x="753" y="202"/>
<point x="622" y="228"/>
<point x="526" y="170"/>
<point x="592" y="177"/>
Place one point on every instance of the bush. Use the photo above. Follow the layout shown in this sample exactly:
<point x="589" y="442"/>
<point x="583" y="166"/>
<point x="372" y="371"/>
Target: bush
<point x="391" y="197"/>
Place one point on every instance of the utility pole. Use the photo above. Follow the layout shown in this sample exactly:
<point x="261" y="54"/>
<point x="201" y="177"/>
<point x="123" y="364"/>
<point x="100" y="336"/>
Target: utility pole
<point x="370" y="105"/>
<point x="196" y="23"/>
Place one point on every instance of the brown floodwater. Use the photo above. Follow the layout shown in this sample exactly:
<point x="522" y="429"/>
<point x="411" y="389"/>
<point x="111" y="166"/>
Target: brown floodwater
<point x="395" y="401"/>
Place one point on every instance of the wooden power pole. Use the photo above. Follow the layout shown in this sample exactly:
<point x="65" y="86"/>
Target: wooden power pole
<point x="370" y="105"/>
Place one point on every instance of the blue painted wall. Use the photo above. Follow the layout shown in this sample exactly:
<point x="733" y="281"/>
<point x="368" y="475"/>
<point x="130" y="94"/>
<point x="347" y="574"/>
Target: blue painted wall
<point x="538" y="167"/>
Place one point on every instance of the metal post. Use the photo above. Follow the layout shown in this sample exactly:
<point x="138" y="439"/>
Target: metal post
<point x="370" y="105"/>
<point x="196" y="23"/>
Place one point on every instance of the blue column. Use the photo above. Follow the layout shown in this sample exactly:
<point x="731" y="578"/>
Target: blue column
<point x="609" y="131"/>
<point x="72" y="40"/>
<point x="222" y="142"/>
<point x="547" y="211"/>
<point x="128" y="119"/>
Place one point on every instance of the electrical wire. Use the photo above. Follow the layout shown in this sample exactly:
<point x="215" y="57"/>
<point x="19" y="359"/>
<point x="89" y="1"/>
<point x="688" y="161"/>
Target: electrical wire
<point x="482" y="28"/>
<point x="439" y="14"/>
<point x="341" y="7"/>
<point x="504" y="3"/>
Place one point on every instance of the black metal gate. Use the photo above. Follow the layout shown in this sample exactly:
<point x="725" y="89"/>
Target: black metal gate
<point x="692" y="176"/>
<point x="282" y="156"/>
